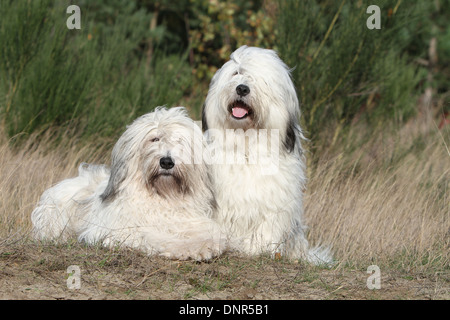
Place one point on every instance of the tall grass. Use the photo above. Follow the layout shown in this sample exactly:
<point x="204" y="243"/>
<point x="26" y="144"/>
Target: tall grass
<point x="97" y="78"/>
<point x="344" y="70"/>
<point x="375" y="194"/>
<point x="116" y="68"/>
<point x="43" y="160"/>
<point x="384" y="202"/>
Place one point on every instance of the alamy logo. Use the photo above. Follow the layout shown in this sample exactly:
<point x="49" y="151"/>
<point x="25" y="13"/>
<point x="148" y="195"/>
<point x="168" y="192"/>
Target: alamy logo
<point x="74" y="21"/>
<point x="374" y="21"/>
<point x="74" y="278"/>
<point x="374" y="280"/>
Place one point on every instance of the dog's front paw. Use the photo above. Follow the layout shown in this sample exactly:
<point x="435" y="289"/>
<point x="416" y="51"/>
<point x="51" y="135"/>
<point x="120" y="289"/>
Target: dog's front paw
<point x="208" y="250"/>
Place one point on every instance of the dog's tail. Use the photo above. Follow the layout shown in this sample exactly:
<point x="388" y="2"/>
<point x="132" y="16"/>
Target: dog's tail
<point x="92" y="175"/>
<point x="320" y="256"/>
<point x="59" y="209"/>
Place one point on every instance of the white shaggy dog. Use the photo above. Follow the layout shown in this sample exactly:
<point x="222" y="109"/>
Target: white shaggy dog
<point x="250" y="118"/>
<point x="157" y="197"/>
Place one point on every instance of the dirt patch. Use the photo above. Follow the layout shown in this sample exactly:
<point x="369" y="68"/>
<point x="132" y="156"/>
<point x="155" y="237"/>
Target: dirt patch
<point x="39" y="271"/>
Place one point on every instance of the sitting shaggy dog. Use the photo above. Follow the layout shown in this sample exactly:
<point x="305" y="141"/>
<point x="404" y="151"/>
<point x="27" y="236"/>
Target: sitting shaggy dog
<point x="251" y="119"/>
<point x="157" y="197"/>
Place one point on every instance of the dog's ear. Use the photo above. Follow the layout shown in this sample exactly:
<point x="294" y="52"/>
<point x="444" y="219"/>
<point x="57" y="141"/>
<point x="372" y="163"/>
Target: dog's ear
<point x="291" y="136"/>
<point x="204" y="123"/>
<point x="118" y="174"/>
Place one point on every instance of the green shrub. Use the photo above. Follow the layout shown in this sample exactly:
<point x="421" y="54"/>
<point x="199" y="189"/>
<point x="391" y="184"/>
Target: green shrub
<point x="132" y="55"/>
<point x="97" y="79"/>
<point x="344" y="71"/>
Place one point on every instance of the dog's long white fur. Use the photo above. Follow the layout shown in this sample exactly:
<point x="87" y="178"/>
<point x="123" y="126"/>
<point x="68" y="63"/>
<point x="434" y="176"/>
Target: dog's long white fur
<point x="137" y="203"/>
<point x="264" y="208"/>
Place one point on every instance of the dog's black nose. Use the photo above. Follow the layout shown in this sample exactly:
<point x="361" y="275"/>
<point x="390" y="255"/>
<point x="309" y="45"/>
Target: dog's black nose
<point x="242" y="90"/>
<point x="166" y="163"/>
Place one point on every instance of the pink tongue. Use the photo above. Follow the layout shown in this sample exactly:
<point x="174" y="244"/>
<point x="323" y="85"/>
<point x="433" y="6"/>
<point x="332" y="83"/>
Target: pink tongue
<point x="239" y="112"/>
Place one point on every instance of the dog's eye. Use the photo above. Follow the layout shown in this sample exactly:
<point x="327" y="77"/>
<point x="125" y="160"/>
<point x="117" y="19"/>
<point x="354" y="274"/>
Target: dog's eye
<point x="235" y="73"/>
<point x="155" y="139"/>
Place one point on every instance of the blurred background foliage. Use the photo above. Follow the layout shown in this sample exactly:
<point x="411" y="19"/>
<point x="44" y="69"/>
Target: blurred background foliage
<point x="133" y="55"/>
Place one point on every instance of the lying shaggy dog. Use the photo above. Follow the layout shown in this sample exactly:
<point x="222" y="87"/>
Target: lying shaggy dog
<point x="157" y="197"/>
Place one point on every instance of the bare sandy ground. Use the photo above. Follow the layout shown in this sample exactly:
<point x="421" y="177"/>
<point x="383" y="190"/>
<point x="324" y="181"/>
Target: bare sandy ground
<point x="39" y="271"/>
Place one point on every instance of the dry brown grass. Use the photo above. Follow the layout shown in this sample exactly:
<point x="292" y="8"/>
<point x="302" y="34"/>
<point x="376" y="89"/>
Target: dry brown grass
<point x="385" y="200"/>
<point x="381" y="200"/>
<point x="26" y="171"/>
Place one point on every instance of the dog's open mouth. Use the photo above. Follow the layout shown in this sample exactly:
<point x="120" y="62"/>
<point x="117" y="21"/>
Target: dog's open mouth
<point x="240" y="110"/>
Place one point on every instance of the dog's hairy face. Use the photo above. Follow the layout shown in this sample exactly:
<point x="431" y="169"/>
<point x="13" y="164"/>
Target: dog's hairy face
<point x="254" y="90"/>
<point x="163" y="171"/>
<point x="157" y="152"/>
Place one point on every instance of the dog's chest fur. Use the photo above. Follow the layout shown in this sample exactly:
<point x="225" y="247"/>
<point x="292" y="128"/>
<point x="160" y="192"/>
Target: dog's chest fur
<point x="249" y="193"/>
